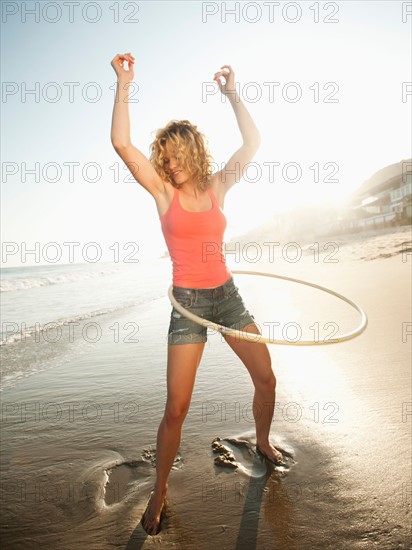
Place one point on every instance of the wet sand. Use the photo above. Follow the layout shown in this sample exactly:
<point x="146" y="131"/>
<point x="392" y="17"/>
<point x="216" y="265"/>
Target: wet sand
<point x="79" y="440"/>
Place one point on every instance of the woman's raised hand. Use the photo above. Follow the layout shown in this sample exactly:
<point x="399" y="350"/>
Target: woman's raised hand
<point x="118" y="65"/>
<point x="229" y="86"/>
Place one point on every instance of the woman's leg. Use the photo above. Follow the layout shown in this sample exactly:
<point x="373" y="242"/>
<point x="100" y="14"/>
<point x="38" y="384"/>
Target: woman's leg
<point x="182" y="363"/>
<point x="256" y="358"/>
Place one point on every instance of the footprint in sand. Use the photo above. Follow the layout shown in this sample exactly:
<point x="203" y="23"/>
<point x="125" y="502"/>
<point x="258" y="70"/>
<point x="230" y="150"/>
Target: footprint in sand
<point x="234" y="453"/>
<point x="122" y="477"/>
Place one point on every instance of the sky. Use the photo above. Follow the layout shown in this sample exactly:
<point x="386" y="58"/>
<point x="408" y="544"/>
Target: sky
<point x="325" y="82"/>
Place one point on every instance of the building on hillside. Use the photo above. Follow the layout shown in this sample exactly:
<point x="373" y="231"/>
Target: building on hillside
<point x="383" y="199"/>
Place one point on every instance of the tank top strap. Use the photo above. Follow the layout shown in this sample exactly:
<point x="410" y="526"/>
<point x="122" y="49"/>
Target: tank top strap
<point x="212" y="196"/>
<point x="175" y="199"/>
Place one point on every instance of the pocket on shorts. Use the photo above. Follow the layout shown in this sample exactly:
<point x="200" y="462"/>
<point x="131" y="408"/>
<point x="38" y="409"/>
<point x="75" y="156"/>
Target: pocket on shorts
<point x="232" y="291"/>
<point x="185" y="300"/>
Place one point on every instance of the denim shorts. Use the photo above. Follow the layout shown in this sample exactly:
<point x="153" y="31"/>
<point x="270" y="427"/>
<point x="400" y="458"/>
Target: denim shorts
<point x="222" y="305"/>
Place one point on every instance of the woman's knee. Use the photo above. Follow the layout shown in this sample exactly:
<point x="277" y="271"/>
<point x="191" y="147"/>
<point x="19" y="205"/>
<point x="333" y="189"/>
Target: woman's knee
<point x="271" y="381"/>
<point x="266" y="380"/>
<point x="175" y="413"/>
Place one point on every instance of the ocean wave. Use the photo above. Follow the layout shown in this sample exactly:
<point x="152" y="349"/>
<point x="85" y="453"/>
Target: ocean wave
<point x="37" y="330"/>
<point x="27" y="283"/>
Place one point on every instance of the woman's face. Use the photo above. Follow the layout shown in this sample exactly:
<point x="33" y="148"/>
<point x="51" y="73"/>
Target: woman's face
<point x="174" y="166"/>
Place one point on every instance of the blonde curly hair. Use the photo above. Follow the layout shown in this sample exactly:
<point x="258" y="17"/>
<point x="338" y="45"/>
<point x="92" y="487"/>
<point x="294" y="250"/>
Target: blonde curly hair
<point x="190" y="147"/>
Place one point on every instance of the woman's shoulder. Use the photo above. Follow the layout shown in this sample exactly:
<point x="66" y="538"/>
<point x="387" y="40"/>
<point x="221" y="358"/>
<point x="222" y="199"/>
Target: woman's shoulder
<point x="217" y="188"/>
<point x="169" y="188"/>
<point x="164" y="200"/>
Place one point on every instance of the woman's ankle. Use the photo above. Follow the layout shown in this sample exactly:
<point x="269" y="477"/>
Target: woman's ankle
<point x="161" y="487"/>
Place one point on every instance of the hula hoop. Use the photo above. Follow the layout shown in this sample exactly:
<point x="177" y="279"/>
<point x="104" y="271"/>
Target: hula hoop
<point x="243" y="335"/>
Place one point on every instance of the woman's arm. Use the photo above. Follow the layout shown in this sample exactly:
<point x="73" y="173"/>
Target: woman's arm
<point x="235" y="167"/>
<point x="138" y="164"/>
<point x="120" y="134"/>
<point x="247" y="127"/>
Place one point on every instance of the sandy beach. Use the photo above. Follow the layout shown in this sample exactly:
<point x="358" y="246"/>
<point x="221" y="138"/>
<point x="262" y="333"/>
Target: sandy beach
<point x="79" y="437"/>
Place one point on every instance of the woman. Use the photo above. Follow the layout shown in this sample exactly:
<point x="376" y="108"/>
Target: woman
<point x="189" y="200"/>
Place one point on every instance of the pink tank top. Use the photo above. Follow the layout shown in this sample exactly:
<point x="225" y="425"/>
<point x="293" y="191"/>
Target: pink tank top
<point x="194" y="241"/>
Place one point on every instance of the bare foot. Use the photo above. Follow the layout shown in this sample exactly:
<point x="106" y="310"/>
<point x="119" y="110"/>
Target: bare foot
<point x="271" y="453"/>
<point x="153" y="514"/>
